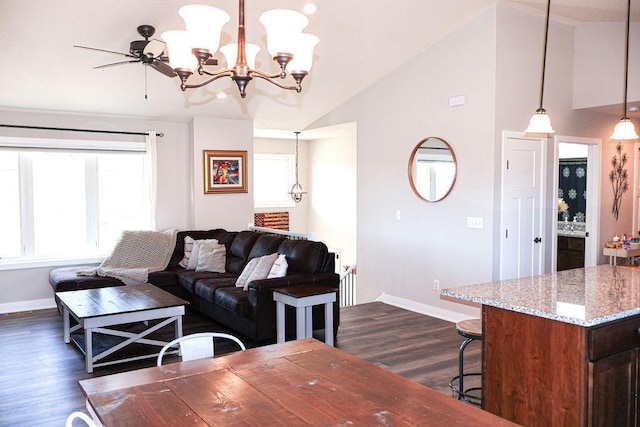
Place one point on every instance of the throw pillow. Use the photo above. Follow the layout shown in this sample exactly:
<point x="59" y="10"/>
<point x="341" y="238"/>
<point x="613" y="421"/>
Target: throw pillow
<point x="209" y="245"/>
<point x="213" y="261"/>
<point x="262" y="269"/>
<point x="279" y="267"/>
<point x="188" y="246"/>
<point x="246" y="272"/>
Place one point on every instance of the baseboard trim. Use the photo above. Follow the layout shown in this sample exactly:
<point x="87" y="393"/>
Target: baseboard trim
<point x="429" y="310"/>
<point x="31" y="305"/>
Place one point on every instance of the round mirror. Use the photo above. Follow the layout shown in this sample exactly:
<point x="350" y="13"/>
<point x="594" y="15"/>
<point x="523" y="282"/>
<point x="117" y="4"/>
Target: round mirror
<point x="432" y="169"/>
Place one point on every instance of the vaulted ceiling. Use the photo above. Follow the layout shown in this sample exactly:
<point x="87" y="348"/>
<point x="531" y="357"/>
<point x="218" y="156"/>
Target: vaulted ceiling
<point x="360" y="42"/>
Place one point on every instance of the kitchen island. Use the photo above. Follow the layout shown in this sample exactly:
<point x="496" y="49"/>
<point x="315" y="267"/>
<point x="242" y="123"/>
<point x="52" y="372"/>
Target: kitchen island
<point x="561" y="348"/>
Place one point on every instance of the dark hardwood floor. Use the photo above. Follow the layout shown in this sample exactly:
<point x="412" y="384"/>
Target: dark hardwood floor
<point x="39" y="373"/>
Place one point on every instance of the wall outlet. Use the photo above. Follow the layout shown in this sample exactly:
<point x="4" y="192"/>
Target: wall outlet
<point x="398" y="216"/>
<point x="436" y="284"/>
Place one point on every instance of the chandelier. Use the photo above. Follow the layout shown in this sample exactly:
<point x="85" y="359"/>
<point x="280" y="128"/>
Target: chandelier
<point x="192" y="50"/>
<point x="297" y="191"/>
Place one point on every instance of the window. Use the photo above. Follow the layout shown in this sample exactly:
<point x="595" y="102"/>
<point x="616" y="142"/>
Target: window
<point x="272" y="180"/>
<point x="62" y="203"/>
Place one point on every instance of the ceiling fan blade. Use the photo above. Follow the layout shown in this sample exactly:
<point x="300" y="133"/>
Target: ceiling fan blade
<point x="105" y="50"/>
<point x="154" y="48"/>
<point x="163" y="68"/>
<point x="116" y="63"/>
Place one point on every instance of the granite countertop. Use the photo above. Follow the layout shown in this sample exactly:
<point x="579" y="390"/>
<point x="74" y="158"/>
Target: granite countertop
<point x="583" y="296"/>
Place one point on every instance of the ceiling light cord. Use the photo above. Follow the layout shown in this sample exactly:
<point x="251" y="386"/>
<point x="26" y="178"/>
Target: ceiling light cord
<point x="626" y="61"/>
<point x="540" y="123"/>
<point x="544" y="56"/>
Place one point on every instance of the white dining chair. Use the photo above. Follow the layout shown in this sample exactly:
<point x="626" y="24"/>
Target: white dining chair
<point x="197" y="346"/>
<point x="79" y="415"/>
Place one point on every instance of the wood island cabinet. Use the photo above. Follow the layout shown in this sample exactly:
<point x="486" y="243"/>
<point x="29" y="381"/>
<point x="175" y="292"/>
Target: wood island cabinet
<point x="544" y="372"/>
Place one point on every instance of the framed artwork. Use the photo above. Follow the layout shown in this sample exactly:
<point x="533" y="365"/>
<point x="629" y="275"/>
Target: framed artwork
<point x="225" y="171"/>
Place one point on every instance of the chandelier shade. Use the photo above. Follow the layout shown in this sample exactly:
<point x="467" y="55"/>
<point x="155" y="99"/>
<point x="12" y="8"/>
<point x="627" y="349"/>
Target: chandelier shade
<point x="283" y="28"/>
<point x="230" y="52"/>
<point x="192" y="49"/>
<point x="625" y="130"/>
<point x="540" y="123"/>
<point x="204" y="25"/>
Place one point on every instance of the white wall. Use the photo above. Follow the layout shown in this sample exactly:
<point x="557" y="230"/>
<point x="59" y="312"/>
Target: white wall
<point x="297" y="214"/>
<point x="402" y="258"/>
<point x="332" y="216"/>
<point x="232" y="211"/>
<point x="599" y="71"/>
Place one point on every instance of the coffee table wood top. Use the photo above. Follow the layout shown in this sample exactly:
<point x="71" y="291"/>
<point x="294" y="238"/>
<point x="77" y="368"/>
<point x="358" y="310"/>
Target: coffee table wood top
<point x="301" y="382"/>
<point x="118" y="299"/>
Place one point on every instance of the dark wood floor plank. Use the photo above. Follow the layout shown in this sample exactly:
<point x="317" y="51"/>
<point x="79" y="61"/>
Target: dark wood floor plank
<point x="40" y="373"/>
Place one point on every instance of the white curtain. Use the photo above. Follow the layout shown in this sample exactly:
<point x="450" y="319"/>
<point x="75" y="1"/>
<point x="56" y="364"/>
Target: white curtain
<point x="152" y="177"/>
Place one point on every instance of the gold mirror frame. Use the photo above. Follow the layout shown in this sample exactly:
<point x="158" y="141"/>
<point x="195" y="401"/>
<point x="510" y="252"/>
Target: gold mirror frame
<point x="438" y="152"/>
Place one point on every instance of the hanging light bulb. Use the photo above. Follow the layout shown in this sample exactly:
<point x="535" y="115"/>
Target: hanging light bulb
<point x="297" y="191"/>
<point x="540" y="122"/>
<point x="625" y="130"/>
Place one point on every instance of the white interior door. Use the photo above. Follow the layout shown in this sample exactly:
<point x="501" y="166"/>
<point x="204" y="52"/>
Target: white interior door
<point x="522" y="219"/>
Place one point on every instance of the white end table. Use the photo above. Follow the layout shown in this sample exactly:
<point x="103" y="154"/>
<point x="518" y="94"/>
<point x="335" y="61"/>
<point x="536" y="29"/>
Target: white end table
<point x="303" y="298"/>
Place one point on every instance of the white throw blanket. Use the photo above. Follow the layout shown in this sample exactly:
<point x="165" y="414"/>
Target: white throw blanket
<point x="137" y="254"/>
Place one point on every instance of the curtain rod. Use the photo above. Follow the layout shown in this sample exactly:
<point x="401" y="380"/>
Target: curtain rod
<point x="78" y="130"/>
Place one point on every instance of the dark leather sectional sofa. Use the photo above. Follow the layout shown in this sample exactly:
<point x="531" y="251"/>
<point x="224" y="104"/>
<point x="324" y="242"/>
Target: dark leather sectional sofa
<point x="251" y="313"/>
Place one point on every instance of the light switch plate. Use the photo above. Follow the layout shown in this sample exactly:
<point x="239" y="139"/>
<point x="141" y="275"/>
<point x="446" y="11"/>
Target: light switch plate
<point x="474" y="222"/>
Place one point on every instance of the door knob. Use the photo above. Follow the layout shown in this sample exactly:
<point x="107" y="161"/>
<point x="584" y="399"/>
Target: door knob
<point x="537" y="240"/>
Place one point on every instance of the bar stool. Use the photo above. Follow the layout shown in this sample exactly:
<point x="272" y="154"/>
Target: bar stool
<point x="471" y="330"/>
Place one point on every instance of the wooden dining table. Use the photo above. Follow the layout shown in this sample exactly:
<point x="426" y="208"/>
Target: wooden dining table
<point x="303" y="382"/>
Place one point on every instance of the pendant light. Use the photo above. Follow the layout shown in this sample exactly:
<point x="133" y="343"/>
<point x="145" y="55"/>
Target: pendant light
<point x="297" y="191"/>
<point x="540" y="122"/>
<point x="625" y="130"/>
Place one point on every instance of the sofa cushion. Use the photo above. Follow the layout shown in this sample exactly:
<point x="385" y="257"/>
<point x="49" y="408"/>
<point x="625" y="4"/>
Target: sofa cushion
<point x="233" y="299"/>
<point x="188" y="278"/>
<point x="212" y="260"/>
<point x="178" y="251"/>
<point x="206" y="288"/>
<point x="304" y="256"/>
<point x="279" y="267"/>
<point x="262" y="269"/>
<point x="265" y="245"/>
<point x="66" y="279"/>
<point x="246" y="272"/>
<point x="238" y="253"/>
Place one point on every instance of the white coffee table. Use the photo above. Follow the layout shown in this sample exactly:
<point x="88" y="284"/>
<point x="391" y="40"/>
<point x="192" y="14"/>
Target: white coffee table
<point x="98" y="310"/>
<point x="303" y="298"/>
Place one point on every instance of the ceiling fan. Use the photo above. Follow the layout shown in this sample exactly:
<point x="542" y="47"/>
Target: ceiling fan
<point x="148" y="52"/>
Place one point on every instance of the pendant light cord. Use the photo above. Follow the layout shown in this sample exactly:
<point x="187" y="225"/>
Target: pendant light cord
<point x="297" y="133"/>
<point x="544" y="53"/>
<point x="626" y="61"/>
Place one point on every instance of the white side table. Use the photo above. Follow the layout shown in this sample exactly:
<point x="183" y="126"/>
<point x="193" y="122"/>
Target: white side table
<point x="303" y="298"/>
